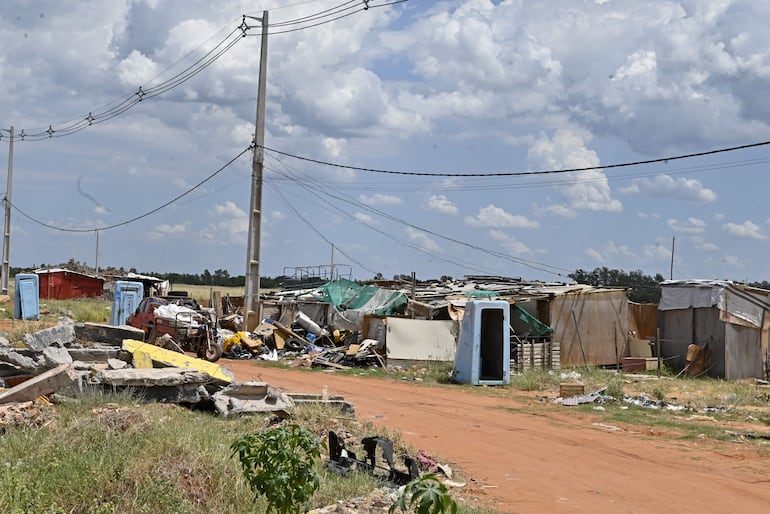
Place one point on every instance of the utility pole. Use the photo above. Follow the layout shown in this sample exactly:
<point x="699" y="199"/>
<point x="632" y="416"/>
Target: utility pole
<point x="97" y="251"/>
<point x="7" y="232"/>
<point x="671" y="273"/>
<point x="251" y="297"/>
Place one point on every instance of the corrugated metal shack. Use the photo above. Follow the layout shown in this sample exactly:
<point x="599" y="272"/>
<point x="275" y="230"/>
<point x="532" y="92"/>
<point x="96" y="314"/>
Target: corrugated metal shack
<point x="61" y="284"/>
<point x="731" y="319"/>
<point x="553" y="324"/>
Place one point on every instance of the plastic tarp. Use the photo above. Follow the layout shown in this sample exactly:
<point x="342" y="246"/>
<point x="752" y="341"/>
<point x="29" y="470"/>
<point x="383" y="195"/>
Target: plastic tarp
<point x="347" y="295"/>
<point x="177" y="313"/>
<point x="735" y="306"/>
<point x="536" y="326"/>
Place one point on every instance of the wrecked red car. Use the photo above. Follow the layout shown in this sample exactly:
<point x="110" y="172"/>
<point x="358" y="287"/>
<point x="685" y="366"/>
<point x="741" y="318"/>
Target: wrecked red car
<point x="175" y="326"/>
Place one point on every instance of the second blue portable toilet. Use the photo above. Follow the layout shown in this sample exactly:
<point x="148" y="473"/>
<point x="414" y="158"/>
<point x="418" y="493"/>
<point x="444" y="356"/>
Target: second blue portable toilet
<point x="483" y="354"/>
<point x="26" y="297"/>
<point x="127" y="298"/>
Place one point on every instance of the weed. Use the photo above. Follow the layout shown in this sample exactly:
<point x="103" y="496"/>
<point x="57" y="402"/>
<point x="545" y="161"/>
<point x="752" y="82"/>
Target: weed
<point x="279" y="464"/>
<point x="615" y="389"/>
<point x="425" y="495"/>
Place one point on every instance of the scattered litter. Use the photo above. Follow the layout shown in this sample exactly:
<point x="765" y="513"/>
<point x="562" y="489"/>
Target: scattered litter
<point x="611" y="428"/>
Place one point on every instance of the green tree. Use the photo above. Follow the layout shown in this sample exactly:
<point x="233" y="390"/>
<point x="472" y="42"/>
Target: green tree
<point x="642" y="288"/>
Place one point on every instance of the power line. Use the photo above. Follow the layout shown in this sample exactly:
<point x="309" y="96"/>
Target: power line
<point x="125" y="103"/>
<point x="319" y="186"/>
<point x="135" y="218"/>
<point x="400" y="241"/>
<point x="318" y="232"/>
<point x="522" y="173"/>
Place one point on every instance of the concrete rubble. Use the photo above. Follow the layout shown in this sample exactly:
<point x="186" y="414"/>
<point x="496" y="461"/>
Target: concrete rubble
<point x="75" y="357"/>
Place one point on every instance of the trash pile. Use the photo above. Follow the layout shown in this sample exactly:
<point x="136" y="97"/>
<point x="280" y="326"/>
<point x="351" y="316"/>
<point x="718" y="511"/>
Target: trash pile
<point x="304" y="344"/>
<point x="74" y="357"/>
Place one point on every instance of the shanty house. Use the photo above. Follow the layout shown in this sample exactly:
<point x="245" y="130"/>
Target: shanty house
<point x="62" y="284"/>
<point x="589" y="325"/>
<point x="732" y="319"/>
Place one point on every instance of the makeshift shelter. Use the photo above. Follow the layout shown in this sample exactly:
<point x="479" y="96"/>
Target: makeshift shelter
<point x="732" y="319"/>
<point x="349" y="302"/>
<point x="61" y="284"/>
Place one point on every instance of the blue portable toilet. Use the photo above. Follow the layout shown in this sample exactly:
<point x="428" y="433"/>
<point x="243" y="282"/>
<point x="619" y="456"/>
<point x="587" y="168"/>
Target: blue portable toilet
<point x="26" y="298"/>
<point x="483" y="354"/>
<point x="127" y="298"/>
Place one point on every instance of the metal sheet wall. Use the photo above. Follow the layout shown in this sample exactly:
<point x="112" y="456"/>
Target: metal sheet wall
<point x="602" y="321"/>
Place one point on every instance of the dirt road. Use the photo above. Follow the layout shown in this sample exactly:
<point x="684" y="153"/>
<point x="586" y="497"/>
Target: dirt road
<point x="548" y="458"/>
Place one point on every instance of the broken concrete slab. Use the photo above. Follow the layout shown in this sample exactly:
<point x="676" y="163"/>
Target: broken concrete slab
<point x="180" y="360"/>
<point x="107" y="334"/>
<point x="117" y="364"/>
<point x="133" y="377"/>
<point x="20" y="358"/>
<point x="249" y="398"/>
<point x="61" y="378"/>
<point x="89" y="366"/>
<point x="98" y="354"/>
<point x="53" y="356"/>
<point x="168" y="385"/>
<point x="61" y="335"/>
<point x="334" y="401"/>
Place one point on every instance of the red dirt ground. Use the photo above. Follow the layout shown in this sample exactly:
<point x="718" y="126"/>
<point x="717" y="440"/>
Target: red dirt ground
<point x="546" y="458"/>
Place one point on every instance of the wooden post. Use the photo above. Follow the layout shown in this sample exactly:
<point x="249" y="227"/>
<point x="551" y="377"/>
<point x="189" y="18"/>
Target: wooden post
<point x="657" y="348"/>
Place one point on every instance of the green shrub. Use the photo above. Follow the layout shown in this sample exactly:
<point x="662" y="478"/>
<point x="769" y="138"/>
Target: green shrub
<point x="279" y="464"/>
<point x="426" y="495"/>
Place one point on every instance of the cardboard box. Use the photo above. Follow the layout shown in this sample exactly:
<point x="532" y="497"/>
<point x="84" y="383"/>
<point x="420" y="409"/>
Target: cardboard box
<point x="569" y="390"/>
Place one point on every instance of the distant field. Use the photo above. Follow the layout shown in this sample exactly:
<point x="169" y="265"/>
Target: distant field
<point x="203" y="293"/>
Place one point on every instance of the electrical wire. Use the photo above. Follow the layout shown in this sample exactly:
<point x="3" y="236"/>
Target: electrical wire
<point x="495" y="184"/>
<point x="286" y="201"/>
<point x="318" y="186"/>
<point x="135" y="218"/>
<point x="399" y="241"/>
<point x="522" y="173"/>
<point x="125" y="103"/>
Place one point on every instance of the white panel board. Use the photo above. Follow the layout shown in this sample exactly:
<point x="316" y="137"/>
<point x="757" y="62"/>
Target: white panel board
<point x="421" y="340"/>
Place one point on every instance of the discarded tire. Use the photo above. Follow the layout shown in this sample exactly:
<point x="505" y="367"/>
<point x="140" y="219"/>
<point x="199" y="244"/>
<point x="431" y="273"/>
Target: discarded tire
<point x="294" y="344"/>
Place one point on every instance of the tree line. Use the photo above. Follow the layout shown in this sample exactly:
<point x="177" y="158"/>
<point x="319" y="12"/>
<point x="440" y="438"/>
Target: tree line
<point x="642" y="288"/>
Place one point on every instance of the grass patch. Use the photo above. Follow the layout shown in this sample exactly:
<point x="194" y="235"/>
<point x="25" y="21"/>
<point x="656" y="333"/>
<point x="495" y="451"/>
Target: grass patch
<point x="106" y="453"/>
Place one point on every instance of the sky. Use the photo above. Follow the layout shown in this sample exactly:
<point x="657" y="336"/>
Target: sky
<point x="467" y="100"/>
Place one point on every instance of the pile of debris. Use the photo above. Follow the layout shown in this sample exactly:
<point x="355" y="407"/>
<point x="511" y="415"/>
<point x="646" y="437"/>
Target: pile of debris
<point x="76" y="357"/>
<point x="304" y="344"/>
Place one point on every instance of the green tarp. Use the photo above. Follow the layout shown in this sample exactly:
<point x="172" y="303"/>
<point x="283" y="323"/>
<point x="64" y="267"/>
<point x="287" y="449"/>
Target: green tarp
<point x="536" y="326"/>
<point x="348" y="295"/>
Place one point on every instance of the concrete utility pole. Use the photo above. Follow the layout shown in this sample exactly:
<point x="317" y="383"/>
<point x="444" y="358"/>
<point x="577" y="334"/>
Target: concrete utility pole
<point x="673" y="243"/>
<point x="251" y="300"/>
<point x="7" y="232"/>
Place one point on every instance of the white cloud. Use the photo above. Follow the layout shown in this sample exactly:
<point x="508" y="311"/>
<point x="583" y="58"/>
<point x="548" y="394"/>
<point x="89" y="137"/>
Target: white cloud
<point x="745" y="230"/>
<point x="364" y="218"/>
<point x="558" y="210"/>
<point x="509" y="243"/>
<point x="137" y="69"/>
<point x="690" y="226"/>
<point x="228" y="209"/>
<point x="164" y="231"/>
<point x="496" y="217"/>
<point x="277" y="216"/>
<point x="422" y="239"/>
<point x="442" y="204"/>
<point x="380" y="199"/>
<point x="609" y="250"/>
<point x="587" y="189"/>
<point x="657" y="252"/>
<point x="704" y="245"/>
<point x="665" y="186"/>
